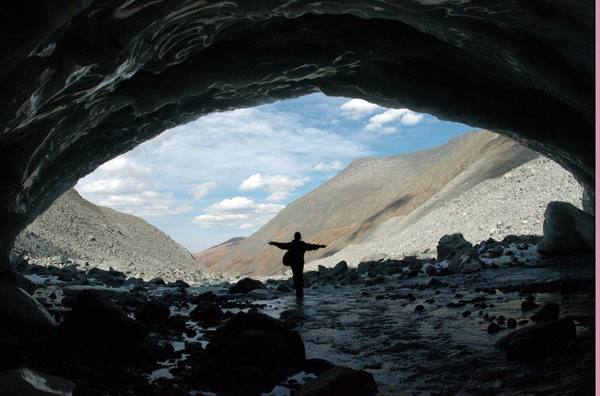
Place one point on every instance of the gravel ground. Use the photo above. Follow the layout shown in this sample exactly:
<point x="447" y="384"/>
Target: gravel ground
<point x="75" y="230"/>
<point x="511" y="204"/>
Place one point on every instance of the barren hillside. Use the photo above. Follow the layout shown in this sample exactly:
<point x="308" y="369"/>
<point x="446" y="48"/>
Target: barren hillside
<point x="77" y="230"/>
<point x="370" y="191"/>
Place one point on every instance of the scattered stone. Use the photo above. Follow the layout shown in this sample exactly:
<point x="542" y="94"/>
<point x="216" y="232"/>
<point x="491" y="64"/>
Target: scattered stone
<point x="247" y="285"/>
<point x="283" y="287"/>
<point x="493" y="328"/>
<point x="548" y="336"/>
<point x="419" y="308"/>
<point x="340" y="380"/>
<point x="511" y="323"/>
<point x="292" y="315"/>
<point x="158" y="281"/>
<point x="435" y="282"/>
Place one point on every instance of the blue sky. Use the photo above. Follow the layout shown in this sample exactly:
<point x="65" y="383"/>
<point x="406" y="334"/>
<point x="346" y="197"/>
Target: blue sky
<point x="227" y="174"/>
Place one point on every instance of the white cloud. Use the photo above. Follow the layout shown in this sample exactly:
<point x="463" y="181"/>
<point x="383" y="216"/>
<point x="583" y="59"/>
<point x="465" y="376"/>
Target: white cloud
<point x="113" y="186"/>
<point x="147" y="203"/>
<point x="240" y="212"/>
<point x="411" y="118"/>
<point x="123" y="168"/>
<point x="281" y="186"/>
<point x="357" y="108"/>
<point x="200" y="191"/>
<point x="332" y="166"/>
<point x="404" y="116"/>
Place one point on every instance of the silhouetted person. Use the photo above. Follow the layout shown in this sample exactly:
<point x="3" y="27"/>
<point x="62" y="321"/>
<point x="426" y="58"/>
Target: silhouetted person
<point x="295" y="258"/>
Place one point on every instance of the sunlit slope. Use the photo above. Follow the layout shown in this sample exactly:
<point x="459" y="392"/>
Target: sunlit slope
<point x="371" y="190"/>
<point x="83" y="232"/>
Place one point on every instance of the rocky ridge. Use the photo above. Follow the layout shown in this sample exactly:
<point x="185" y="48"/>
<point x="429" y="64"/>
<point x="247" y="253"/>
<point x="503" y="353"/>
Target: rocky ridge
<point x="513" y="203"/>
<point x="76" y="231"/>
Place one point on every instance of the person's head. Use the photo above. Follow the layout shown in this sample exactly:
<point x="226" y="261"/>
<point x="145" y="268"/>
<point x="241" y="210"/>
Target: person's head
<point x="297" y="236"/>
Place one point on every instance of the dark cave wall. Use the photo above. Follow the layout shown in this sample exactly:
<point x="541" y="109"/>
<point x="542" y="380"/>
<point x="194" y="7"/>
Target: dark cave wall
<point x="82" y="82"/>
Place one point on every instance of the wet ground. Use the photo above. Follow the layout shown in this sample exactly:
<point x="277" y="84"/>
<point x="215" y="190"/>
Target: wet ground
<point x="418" y="336"/>
<point x="444" y="348"/>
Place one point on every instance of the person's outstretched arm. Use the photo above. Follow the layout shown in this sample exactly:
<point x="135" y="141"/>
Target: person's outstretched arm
<point x="310" y="246"/>
<point x="281" y="245"/>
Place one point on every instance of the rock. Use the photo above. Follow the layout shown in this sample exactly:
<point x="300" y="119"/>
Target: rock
<point x="340" y="269"/>
<point x="9" y="277"/>
<point x="428" y="268"/>
<point x="493" y="328"/>
<point x="463" y="256"/>
<point x="323" y="271"/>
<point x="153" y="311"/>
<point x="311" y="278"/>
<point x="528" y="305"/>
<point x="566" y="229"/>
<point x="206" y="310"/>
<point x="232" y="341"/>
<point x="450" y="243"/>
<point x="550" y="336"/>
<point x="134" y="282"/>
<point x="365" y="266"/>
<point x="419" y="308"/>
<point x="246" y="285"/>
<point x="547" y="313"/>
<point x="340" y="380"/>
<point x="66" y="276"/>
<point x="282" y="287"/>
<point x="178" y="283"/>
<point x="29" y="382"/>
<point x="21" y="312"/>
<point x="97" y="321"/>
<point x="292" y="315"/>
<point x="261" y="294"/>
<point x="158" y="281"/>
<point x="511" y="323"/>
<point x="435" y="282"/>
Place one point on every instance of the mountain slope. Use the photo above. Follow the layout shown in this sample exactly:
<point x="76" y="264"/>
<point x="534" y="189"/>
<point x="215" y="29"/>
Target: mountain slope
<point x="84" y="232"/>
<point x="367" y="193"/>
<point x="214" y="255"/>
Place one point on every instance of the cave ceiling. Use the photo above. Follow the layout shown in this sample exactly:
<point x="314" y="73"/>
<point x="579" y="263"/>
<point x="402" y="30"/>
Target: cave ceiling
<point x="84" y="81"/>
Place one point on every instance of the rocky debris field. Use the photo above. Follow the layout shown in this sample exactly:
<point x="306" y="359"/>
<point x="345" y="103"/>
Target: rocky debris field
<point x="75" y="231"/>
<point x="512" y="204"/>
<point x="493" y="318"/>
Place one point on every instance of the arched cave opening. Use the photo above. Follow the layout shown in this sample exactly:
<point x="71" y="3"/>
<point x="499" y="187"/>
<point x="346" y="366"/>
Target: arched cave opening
<point x="94" y="80"/>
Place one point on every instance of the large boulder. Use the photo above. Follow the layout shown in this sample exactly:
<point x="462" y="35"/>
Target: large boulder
<point x="28" y="382"/>
<point x="450" y="243"/>
<point x="19" y="311"/>
<point x="536" y="341"/>
<point x="247" y="285"/>
<point x="206" y="311"/>
<point x="153" y="311"/>
<point x="566" y="229"/>
<point x="96" y="320"/>
<point x="256" y="339"/>
<point x="340" y="380"/>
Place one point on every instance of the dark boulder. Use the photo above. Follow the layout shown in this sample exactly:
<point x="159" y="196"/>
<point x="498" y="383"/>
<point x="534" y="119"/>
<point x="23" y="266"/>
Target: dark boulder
<point x="9" y="277"/>
<point x="28" y="382"/>
<point x="566" y="229"/>
<point x="247" y="285"/>
<point x="340" y="269"/>
<point x="340" y="380"/>
<point x="547" y="313"/>
<point x="533" y="342"/>
<point x="19" y="311"/>
<point x="451" y="243"/>
<point x="96" y="320"/>
<point x="158" y="281"/>
<point x="258" y="340"/>
<point x="153" y="311"/>
<point x="206" y="311"/>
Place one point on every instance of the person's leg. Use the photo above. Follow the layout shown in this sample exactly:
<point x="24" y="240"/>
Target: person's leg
<point x="298" y="272"/>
